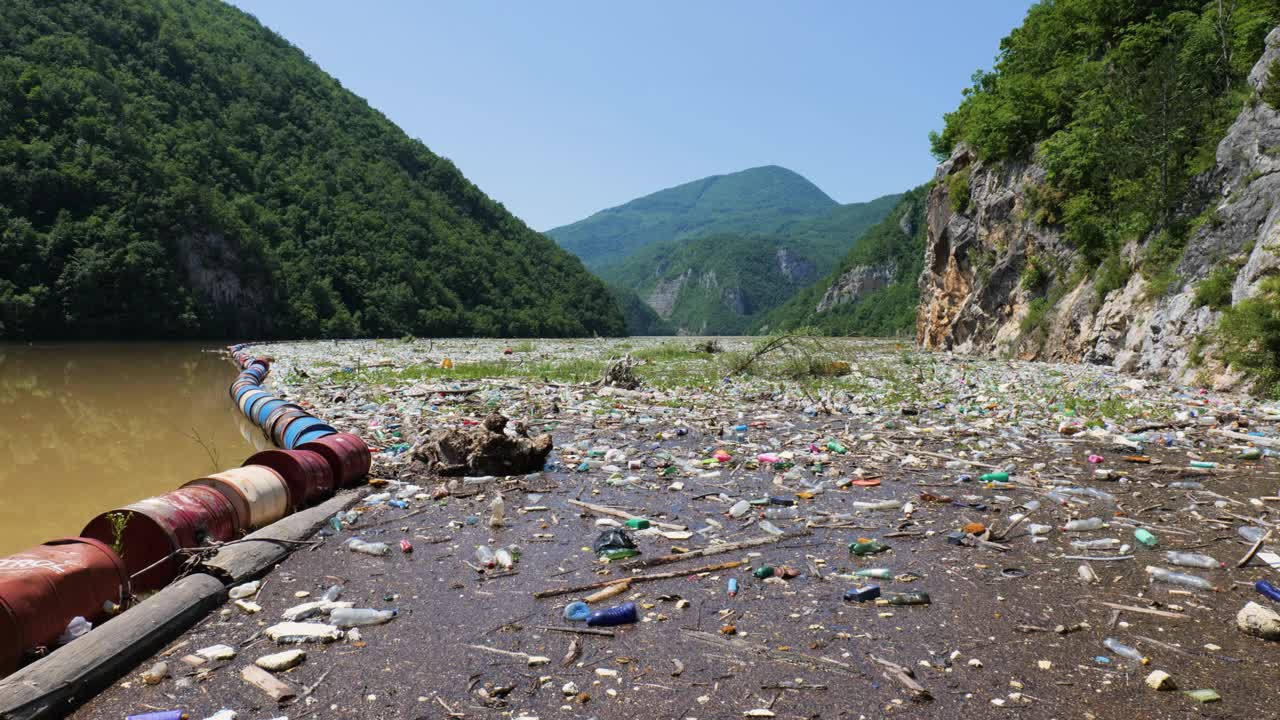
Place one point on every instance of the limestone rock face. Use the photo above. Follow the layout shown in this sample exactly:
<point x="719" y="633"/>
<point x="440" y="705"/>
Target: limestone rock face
<point x="976" y="294"/>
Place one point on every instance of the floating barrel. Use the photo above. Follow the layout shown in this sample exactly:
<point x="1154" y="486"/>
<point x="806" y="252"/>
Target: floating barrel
<point x="249" y="397"/>
<point x="256" y="406"/>
<point x="243" y="390"/>
<point x="307" y="473"/>
<point x="269" y="424"/>
<point x="299" y="427"/>
<point x="153" y="529"/>
<point x="260" y="362"/>
<point x="283" y="422"/>
<point x="347" y="454"/>
<point x="262" y="412"/>
<point x="313" y="434"/>
<point x="258" y="494"/>
<point x="43" y="588"/>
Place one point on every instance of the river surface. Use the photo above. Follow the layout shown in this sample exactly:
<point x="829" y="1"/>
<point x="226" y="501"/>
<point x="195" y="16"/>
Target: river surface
<point x="87" y="427"/>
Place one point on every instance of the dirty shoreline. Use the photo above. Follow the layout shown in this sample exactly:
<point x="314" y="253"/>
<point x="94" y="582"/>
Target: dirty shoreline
<point x="1012" y="630"/>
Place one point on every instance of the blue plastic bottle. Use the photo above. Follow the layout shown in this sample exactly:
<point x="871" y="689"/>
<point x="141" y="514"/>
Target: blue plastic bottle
<point x="623" y="614"/>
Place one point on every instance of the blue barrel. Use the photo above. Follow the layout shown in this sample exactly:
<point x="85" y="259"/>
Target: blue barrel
<point x="240" y="391"/>
<point x="313" y="434"/>
<point x="262" y="411"/>
<point x="253" y="407"/>
<point x="248" y="398"/>
<point x="299" y="427"/>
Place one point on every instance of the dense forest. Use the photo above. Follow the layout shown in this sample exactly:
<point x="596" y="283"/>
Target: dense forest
<point x="171" y="168"/>
<point x="896" y="244"/>
<point x="1123" y="104"/>
<point x="757" y="200"/>
<point x="724" y="282"/>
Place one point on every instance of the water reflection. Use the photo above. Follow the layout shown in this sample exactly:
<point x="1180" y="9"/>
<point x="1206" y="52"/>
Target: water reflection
<point x="85" y="427"/>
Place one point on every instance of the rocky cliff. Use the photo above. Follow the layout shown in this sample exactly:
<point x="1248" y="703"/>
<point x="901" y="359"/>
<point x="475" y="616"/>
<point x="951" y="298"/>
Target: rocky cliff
<point x="1000" y="279"/>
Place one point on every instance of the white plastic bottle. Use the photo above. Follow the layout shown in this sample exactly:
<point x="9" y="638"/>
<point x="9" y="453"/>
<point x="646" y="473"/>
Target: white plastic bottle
<point x="498" y="511"/>
<point x="359" y="617"/>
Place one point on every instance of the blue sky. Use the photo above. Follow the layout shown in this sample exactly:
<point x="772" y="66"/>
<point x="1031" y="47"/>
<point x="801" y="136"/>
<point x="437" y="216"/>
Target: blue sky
<point x="559" y="109"/>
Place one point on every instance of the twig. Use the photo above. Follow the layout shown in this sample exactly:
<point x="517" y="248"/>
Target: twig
<point x="637" y="579"/>
<point x="576" y="631"/>
<point x="1254" y="550"/>
<point x="1144" y="611"/>
<point x="715" y="550"/>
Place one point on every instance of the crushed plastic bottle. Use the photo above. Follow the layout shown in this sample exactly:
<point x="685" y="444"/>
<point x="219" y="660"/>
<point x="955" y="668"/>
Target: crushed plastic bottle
<point x="739" y="509"/>
<point x="497" y="512"/>
<point x="360" y="617"/>
<point x="485" y="556"/>
<point x="577" y="611"/>
<point x="1146" y="537"/>
<point x="367" y="548"/>
<point x="76" y="628"/>
<point x="1177" y="578"/>
<point x="1085" y="524"/>
<point x="770" y="528"/>
<point x="866" y="546"/>
<point x="1189" y="559"/>
<point x="1124" y="651"/>
<point x="333" y="593"/>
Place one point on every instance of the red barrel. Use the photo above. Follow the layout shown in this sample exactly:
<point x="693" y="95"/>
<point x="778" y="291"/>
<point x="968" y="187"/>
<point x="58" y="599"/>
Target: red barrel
<point x="155" y="528"/>
<point x="43" y="588"/>
<point x="307" y="473"/>
<point x="347" y="454"/>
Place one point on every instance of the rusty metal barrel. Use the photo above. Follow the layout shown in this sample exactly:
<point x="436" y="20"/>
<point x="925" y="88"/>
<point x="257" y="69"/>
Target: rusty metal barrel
<point x="300" y="427"/>
<point x="347" y="454"/>
<point x="258" y="494"/>
<point x="263" y="411"/>
<point x="255" y="407"/>
<point x="150" y="532"/>
<point x="307" y="473"/>
<point x="250" y="397"/>
<point x="283" y="422"/>
<point x="269" y="424"/>
<point x="45" y="587"/>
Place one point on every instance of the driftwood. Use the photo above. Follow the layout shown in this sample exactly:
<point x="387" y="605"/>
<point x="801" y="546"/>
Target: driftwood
<point x="279" y="690"/>
<point x="636" y="579"/>
<point x="605" y="510"/>
<point x="1254" y="550"/>
<point x="52" y="686"/>
<point x="1143" y="610"/>
<point x="905" y="677"/>
<point x="258" y="552"/>
<point x="715" y="550"/>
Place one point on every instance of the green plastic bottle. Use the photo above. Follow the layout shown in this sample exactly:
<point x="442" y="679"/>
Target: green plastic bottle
<point x="638" y="523"/>
<point x="911" y="597"/>
<point x="619" y="554"/>
<point x="866" y="546"/>
<point x="764" y="571"/>
<point x="878" y="573"/>
<point x="1145" y="537"/>
<point x="995" y="477"/>
<point x="835" y="447"/>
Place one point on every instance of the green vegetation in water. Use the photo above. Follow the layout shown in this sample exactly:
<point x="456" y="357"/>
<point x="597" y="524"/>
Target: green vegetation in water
<point x="172" y="168"/>
<point x="889" y="310"/>
<point x="1121" y="103"/>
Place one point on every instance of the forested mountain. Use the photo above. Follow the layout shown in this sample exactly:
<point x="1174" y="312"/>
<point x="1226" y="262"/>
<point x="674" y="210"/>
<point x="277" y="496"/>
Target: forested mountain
<point x="873" y="290"/>
<point x="721" y="284"/>
<point x="758" y="200"/>
<point x="173" y="168"/>
<point x="1107" y="191"/>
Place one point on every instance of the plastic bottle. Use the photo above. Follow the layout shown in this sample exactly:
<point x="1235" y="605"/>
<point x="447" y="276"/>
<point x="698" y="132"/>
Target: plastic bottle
<point x="1086" y="524"/>
<point x="1123" y="650"/>
<point x="485" y="556"/>
<point x="1031" y="505"/>
<point x="359" y="617"/>
<point x="618" y="615"/>
<point x="1146" y="537"/>
<point x="498" y="511"/>
<point x="882" y="505"/>
<point x="1251" y="533"/>
<point x="1188" y="559"/>
<point x="764" y="571"/>
<point x="619" y="553"/>
<point x="1100" y="544"/>
<point x="878" y="573"/>
<point x="1035" y="529"/>
<point x="1187" y="485"/>
<point x="1267" y="589"/>
<point x="503" y="558"/>
<point x="333" y="593"/>
<point x="577" y="611"/>
<point x="782" y="513"/>
<point x="368" y="548"/>
<point x="1178" y="578"/>
<point x="770" y="528"/>
<point x="733" y="587"/>
<point x="995" y="477"/>
<point x="910" y="597"/>
<point x="866" y="546"/>
<point x="740" y="508"/>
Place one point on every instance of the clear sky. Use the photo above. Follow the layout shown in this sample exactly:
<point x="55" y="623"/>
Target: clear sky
<point x="558" y="109"/>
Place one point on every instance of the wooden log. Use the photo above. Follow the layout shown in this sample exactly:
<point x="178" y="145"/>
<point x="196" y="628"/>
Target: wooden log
<point x="268" y="683"/>
<point x="258" y="552"/>
<point x="54" y="685"/>
<point x="714" y="550"/>
<point x="636" y="579"/>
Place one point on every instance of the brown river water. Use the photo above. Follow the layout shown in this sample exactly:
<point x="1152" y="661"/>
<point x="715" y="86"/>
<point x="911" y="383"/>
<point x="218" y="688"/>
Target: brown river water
<point x="87" y="427"/>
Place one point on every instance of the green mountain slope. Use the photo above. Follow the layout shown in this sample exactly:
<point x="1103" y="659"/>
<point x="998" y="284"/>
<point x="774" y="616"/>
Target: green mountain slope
<point x="873" y="291"/>
<point x="756" y="200"/>
<point x="722" y="283"/>
<point x="172" y="168"/>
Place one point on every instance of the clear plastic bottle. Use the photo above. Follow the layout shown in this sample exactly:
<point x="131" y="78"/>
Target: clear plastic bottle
<point x="1035" y="529"/>
<point x="1085" y="524"/>
<point x="1251" y="533"/>
<point x="1189" y="559"/>
<point x="770" y="528"/>
<point x="782" y="513"/>
<point x="485" y="556"/>
<point x="333" y="593"/>
<point x="1031" y="505"/>
<point x="879" y="573"/>
<point x="740" y="508"/>
<point x="1124" y="651"/>
<point x="497" y="511"/>
<point x="359" y="617"/>
<point x="882" y="505"/>
<point x="504" y="559"/>
<point x="1099" y="544"/>
<point x="1177" y="578"/>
